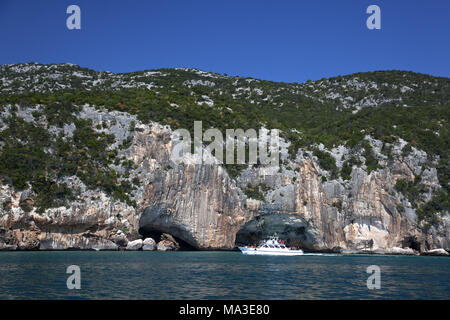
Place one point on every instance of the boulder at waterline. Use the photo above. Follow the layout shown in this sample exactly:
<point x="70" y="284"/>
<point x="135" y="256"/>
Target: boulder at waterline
<point x="149" y="244"/>
<point x="134" y="245"/>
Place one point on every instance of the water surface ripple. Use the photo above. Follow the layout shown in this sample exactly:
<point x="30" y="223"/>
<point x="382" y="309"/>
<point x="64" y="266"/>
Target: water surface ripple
<point x="219" y="275"/>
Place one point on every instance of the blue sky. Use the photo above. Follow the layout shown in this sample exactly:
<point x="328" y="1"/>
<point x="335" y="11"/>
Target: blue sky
<point x="283" y="40"/>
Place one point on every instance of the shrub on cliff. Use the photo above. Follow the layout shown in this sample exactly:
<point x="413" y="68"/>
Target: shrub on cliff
<point x="327" y="162"/>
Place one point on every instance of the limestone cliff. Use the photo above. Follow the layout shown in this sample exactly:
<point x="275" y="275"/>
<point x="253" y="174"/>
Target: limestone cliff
<point x="203" y="206"/>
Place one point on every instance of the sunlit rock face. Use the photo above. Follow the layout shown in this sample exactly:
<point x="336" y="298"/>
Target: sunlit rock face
<point x="197" y="203"/>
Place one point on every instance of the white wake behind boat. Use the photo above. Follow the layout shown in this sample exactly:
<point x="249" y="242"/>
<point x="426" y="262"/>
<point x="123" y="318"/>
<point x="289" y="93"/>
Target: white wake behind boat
<point x="271" y="246"/>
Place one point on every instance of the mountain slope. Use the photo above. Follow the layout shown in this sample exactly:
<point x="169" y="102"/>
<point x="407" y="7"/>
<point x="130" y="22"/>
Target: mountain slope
<point x="70" y="135"/>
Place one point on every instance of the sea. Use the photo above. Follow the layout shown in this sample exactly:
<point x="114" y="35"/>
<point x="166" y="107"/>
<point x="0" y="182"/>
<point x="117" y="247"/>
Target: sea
<point x="214" y="275"/>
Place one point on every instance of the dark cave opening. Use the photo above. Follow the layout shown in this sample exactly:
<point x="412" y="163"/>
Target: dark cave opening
<point x="411" y="242"/>
<point x="290" y="228"/>
<point x="254" y="238"/>
<point x="156" y="235"/>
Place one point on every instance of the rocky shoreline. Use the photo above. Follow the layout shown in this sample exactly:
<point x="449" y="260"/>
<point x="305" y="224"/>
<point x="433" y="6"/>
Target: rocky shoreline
<point x="423" y="254"/>
<point x="168" y="243"/>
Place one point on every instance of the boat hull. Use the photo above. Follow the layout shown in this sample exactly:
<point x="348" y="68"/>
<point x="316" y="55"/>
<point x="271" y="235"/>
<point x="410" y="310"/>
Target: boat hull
<point x="270" y="252"/>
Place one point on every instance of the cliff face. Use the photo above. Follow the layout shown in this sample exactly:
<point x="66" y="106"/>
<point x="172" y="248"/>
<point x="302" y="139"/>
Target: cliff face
<point x="199" y="204"/>
<point x="203" y="206"/>
<point x="115" y="171"/>
<point x="364" y="215"/>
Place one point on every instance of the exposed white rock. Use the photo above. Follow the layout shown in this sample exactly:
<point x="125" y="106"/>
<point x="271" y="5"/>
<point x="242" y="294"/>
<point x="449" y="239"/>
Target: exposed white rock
<point x="60" y="241"/>
<point x="135" y="245"/>
<point x="402" y="251"/>
<point x="436" y="252"/>
<point x="339" y="153"/>
<point x="149" y="244"/>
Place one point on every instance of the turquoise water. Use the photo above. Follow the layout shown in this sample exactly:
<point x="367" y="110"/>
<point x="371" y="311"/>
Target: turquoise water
<point x="219" y="275"/>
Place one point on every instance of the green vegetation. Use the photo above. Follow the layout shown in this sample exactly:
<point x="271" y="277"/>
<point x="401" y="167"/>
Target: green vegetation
<point x="412" y="190"/>
<point x="256" y="192"/>
<point x="431" y="211"/>
<point x="24" y="159"/>
<point x="327" y="162"/>
<point x="428" y="213"/>
<point x="50" y="194"/>
<point x="371" y="160"/>
<point x="346" y="170"/>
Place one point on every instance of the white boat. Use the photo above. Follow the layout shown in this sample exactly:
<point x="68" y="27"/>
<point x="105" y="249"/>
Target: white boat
<point x="271" y="246"/>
